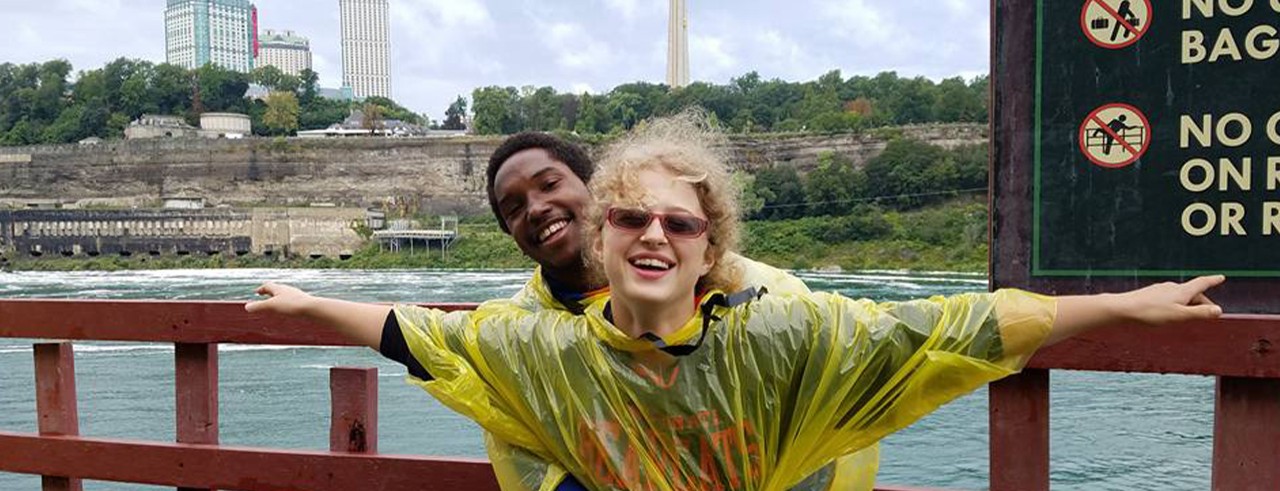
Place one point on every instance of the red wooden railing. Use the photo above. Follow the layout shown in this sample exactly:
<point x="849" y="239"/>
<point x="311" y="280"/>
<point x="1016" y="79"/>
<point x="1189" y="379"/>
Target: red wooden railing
<point x="1237" y="349"/>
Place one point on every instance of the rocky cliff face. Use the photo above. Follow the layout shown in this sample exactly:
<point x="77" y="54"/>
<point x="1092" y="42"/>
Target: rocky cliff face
<point x="431" y="175"/>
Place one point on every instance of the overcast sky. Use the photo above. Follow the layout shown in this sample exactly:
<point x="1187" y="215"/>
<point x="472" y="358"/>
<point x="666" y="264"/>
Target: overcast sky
<point x="444" y="48"/>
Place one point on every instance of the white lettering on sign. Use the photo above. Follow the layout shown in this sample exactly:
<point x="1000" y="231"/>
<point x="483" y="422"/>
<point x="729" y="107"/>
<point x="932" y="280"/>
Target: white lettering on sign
<point x="1270" y="217"/>
<point x="1273" y="173"/>
<point x="1232" y="215"/>
<point x="1260" y="43"/>
<point x="1203" y="135"/>
<point x="1273" y="127"/>
<point x="1205" y="7"/>
<point x="1225" y="174"/>
<point x="1198" y="209"/>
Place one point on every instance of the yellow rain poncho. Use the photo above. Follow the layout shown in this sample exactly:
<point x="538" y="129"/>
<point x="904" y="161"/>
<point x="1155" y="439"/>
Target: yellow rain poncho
<point x="520" y="470"/>
<point x="769" y="392"/>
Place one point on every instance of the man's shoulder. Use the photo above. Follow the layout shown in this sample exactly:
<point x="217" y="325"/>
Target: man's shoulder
<point x="536" y="295"/>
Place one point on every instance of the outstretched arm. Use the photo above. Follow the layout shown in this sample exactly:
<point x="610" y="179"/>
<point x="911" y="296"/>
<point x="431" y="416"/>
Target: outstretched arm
<point x="359" y="322"/>
<point x="1156" y="304"/>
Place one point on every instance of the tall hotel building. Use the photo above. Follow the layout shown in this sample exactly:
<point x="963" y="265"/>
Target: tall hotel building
<point x="222" y="32"/>
<point x="366" y="47"/>
<point x="286" y="51"/>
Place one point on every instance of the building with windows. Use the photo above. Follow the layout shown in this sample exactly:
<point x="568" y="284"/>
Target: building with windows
<point x="285" y="50"/>
<point x="366" y="47"/>
<point x="222" y="32"/>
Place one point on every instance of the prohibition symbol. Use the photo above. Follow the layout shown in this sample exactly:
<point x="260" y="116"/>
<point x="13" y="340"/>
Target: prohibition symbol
<point x="1115" y="24"/>
<point x="1115" y="135"/>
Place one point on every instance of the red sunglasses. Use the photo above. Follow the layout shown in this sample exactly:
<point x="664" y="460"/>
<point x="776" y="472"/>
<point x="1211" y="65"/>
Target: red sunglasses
<point x="679" y="224"/>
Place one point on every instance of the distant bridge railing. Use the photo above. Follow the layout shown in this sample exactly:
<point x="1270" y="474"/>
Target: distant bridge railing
<point x="1239" y="350"/>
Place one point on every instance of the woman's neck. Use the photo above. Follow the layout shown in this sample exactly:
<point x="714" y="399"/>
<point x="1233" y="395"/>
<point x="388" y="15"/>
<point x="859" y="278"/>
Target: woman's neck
<point x="635" y="319"/>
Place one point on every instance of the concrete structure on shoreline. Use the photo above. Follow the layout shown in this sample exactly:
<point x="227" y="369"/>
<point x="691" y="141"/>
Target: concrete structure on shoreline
<point x="293" y="232"/>
<point x="212" y="125"/>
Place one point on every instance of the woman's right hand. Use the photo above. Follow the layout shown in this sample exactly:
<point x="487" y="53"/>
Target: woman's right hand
<point x="283" y="299"/>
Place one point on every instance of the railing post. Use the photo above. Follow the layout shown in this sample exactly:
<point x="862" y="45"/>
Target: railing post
<point x="56" y="402"/>
<point x="354" y="401"/>
<point x="1246" y="434"/>
<point x="1020" y="432"/>
<point x="196" y="390"/>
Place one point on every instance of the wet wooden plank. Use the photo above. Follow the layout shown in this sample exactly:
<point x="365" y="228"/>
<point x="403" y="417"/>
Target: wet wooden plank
<point x="1020" y="432"/>
<point x="223" y="467"/>
<point x="1238" y="346"/>
<point x="196" y="391"/>
<point x="56" y="405"/>
<point x="163" y="321"/>
<point x="1246" y="435"/>
<point x="353" y="399"/>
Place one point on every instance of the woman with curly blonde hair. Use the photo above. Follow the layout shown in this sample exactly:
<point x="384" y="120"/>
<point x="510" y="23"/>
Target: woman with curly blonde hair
<point x="678" y="380"/>
<point x="691" y="153"/>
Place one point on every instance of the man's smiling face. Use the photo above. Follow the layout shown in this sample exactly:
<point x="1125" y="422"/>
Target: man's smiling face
<point x="541" y="202"/>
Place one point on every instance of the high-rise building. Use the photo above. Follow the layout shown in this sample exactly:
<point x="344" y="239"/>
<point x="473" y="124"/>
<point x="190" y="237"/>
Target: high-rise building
<point x="366" y="47"/>
<point x="222" y="32"/>
<point x="285" y="50"/>
<point x="678" y="45"/>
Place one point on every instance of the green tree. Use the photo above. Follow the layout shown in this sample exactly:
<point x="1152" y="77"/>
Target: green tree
<point x="310" y="86"/>
<point x="392" y="110"/>
<point x="221" y="89"/>
<point x="170" y="89"/>
<point x="821" y="109"/>
<point x="267" y="76"/>
<point x="957" y="102"/>
<point x="591" y="115"/>
<point x="454" y="115"/>
<point x="625" y="109"/>
<point x="321" y="112"/>
<point x="913" y="101"/>
<point x="281" y="115"/>
<point x="373" y="115"/>
<point x="541" y="110"/>
<point x="22" y="133"/>
<point x="833" y="185"/>
<point x="494" y="109"/>
<point x="751" y="202"/>
<point x="50" y="96"/>
<point x="67" y="127"/>
<point x="905" y="171"/>
<point x="782" y="190"/>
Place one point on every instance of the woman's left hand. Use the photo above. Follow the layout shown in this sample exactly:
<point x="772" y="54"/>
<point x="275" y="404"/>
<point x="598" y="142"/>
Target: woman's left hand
<point x="1172" y="302"/>
<point x="1161" y="303"/>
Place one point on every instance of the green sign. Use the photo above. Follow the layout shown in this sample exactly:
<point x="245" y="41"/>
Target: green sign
<point x="1157" y="138"/>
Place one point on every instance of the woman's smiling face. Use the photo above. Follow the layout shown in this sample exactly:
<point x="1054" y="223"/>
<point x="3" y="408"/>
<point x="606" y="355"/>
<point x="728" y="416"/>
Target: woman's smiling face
<point x="651" y="267"/>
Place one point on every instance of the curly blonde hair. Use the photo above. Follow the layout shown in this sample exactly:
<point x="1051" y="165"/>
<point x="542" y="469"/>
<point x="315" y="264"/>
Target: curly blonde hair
<point x="686" y="146"/>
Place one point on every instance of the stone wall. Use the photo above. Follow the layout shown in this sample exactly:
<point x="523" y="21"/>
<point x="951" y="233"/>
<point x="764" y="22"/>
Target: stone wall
<point x="425" y="175"/>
